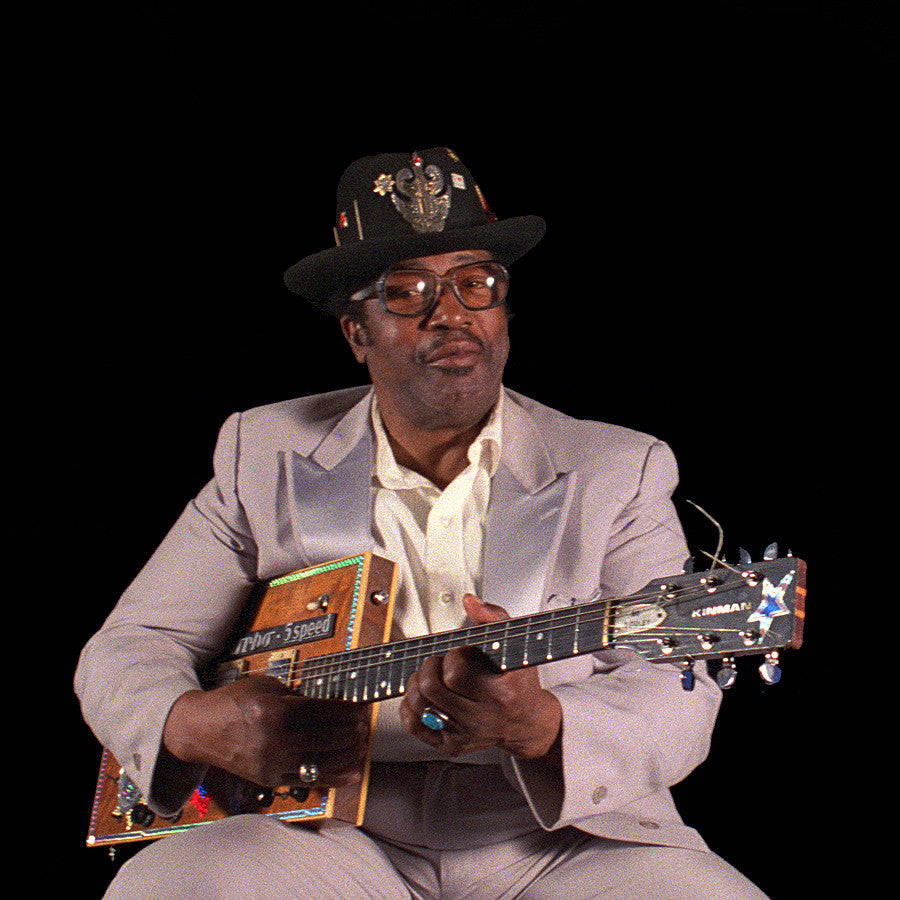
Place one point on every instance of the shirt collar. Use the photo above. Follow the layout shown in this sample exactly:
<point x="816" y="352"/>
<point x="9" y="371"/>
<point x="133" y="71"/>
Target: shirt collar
<point x="484" y="450"/>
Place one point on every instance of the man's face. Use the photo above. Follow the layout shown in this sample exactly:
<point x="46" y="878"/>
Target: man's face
<point x="439" y="369"/>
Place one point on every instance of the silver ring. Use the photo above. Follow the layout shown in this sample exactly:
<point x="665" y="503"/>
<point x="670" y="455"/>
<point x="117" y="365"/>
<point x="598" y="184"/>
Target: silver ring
<point x="434" y="719"/>
<point x="308" y="772"/>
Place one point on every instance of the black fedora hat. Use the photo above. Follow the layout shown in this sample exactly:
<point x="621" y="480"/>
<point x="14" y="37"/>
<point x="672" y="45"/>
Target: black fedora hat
<point x="396" y="206"/>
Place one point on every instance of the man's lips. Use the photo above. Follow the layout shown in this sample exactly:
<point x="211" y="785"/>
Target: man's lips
<point x="457" y="351"/>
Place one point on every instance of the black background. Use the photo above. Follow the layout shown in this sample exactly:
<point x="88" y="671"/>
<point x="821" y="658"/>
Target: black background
<point x="691" y="166"/>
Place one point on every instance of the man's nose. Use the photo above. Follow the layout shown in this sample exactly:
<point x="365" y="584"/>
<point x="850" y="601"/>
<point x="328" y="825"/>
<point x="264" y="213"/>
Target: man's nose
<point x="447" y="309"/>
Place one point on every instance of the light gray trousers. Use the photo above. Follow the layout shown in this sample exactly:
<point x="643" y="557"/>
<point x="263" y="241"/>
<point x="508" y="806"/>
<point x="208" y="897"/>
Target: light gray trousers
<point x="256" y="857"/>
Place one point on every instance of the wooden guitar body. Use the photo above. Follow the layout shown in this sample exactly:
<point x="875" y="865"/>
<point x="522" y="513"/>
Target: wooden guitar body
<point x="312" y="612"/>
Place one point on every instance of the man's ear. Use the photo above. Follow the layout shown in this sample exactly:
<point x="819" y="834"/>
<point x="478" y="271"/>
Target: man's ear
<point x="355" y="334"/>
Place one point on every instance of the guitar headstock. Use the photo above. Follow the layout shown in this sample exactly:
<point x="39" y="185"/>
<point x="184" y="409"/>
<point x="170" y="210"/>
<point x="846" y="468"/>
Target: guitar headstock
<point x="727" y="611"/>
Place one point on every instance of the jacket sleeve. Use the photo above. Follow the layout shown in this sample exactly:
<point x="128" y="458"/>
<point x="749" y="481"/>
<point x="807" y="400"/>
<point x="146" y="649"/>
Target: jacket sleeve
<point x="172" y="619"/>
<point x="629" y="728"/>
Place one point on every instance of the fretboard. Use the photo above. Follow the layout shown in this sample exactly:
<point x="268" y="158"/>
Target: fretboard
<point x="382" y="671"/>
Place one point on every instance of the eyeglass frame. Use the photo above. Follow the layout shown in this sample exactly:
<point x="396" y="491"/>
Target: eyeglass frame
<point x="442" y="280"/>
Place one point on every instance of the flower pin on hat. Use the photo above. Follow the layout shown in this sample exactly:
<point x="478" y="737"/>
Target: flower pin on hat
<point x="426" y="209"/>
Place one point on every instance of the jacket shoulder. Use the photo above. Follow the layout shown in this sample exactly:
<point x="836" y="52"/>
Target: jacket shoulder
<point x="583" y="443"/>
<point x="300" y="423"/>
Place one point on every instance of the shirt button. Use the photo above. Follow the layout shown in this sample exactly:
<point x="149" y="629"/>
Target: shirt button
<point x="447" y="597"/>
<point x="648" y="823"/>
<point x="446" y="521"/>
<point x="599" y="794"/>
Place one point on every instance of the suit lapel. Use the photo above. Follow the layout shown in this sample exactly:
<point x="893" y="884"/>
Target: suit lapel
<point x="529" y="498"/>
<point x="328" y="497"/>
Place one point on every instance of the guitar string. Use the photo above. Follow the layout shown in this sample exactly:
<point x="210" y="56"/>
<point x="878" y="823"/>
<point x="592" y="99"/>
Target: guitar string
<point x="368" y="659"/>
<point x="313" y="681"/>
<point x="400" y="662"/>
<point x="354" y="660"/>
<point x="365" y="657"/>
<point x="555" y="619"/>
<point x="365" y="669"/>
<point x="577" y="611"/>
<point x="325" y="678"/>
<point x="559" y="619"/>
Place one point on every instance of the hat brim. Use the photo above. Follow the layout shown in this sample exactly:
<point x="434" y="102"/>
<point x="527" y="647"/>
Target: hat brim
<point x="341" y="271"/>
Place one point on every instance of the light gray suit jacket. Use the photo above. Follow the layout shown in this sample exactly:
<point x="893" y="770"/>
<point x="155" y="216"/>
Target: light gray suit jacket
<point x="575" y="505"/>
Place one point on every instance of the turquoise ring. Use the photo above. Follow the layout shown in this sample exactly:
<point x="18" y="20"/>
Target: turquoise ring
<point x="434" y="719"/>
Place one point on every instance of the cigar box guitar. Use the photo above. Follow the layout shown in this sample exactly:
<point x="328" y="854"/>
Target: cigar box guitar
<point x="324" y="632"/>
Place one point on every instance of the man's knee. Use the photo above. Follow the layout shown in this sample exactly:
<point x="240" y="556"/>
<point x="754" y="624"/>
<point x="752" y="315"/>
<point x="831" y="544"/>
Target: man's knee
<point x="256" y="856"/>
<point x="691" y="874"/>
<point x="196" y="858"/>
<point x="621" y="871"/>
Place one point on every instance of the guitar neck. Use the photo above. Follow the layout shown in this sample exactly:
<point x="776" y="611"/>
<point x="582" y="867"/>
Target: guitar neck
<point x="754" y="609"/>
<point x="380" y="672"/>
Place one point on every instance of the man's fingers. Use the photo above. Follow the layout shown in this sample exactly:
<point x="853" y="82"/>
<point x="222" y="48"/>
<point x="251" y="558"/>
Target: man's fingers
<point x="482" y="613"/>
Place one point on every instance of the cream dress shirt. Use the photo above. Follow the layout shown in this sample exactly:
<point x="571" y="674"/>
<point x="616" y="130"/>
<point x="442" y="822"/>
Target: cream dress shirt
<point x="436" y="539"/>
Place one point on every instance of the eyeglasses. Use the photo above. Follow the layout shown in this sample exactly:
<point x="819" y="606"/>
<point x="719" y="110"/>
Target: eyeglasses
<point x="412" y="292"/>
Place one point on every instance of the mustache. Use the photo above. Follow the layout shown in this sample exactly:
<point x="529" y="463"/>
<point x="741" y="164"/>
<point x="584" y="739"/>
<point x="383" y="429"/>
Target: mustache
<point x="451" y="336"/>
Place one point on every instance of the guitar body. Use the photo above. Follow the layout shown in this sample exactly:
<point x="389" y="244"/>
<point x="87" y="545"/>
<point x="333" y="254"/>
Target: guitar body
<point x="317" y="611"/>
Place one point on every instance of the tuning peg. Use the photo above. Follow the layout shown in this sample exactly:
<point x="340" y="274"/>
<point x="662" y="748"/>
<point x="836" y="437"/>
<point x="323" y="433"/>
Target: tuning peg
<point x="770" y="670"/>
<point x="771" y="552"/>
<point x="687" y="675"/>
<point x="688" y="566"/>
<point x="790" y="553"/>
<point x="744" y="557"/>
<point x="727" y="675"/>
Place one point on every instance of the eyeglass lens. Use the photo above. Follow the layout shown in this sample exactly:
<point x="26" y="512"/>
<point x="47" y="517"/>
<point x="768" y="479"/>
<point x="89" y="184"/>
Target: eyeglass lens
<point x="477" y="286"/>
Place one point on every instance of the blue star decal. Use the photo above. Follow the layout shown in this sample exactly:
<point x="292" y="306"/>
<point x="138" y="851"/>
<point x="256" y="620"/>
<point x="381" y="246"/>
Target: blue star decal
<point x="772" y="604"/>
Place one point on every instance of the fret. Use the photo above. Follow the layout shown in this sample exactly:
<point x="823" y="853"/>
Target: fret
<point x="351" y="682"/>
<point x="479" y="635"/>
<point x="372" y="678"/>
<point x="383" y="675"/>
<point x="493" y="648"/>
<point x="594" y="631"/>
<point x="381" y="684"/>
<point x="329" y="678"/>
<point x="335" y="680"/>
<point x="408" y="664"/>
<point x="365" y="684"/>
<point x="395" y="673"/>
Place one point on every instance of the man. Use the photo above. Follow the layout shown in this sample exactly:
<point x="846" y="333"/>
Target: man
<point x="542" y="782"/>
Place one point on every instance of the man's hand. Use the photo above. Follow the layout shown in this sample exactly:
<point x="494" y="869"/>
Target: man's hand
<point x="261" y="730"/>
<point x="509" y="710"/>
